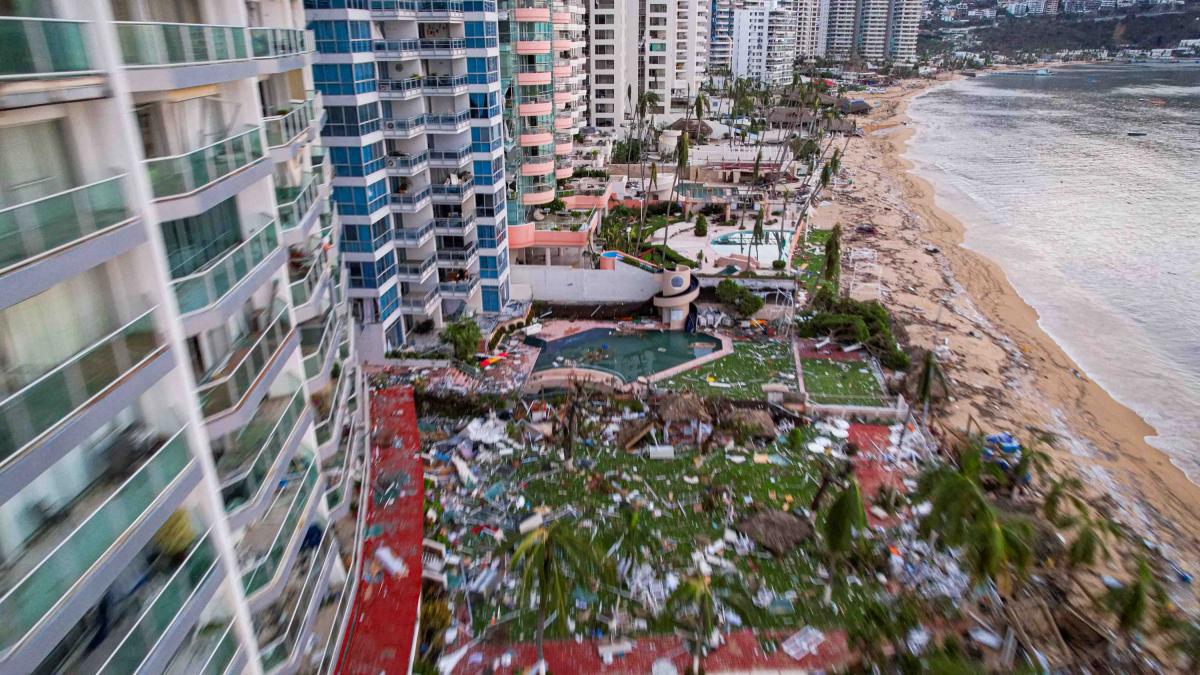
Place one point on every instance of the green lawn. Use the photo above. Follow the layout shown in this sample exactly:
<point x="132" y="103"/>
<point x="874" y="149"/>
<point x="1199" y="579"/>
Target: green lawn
<point x="808" y="259"/>
<point x="748" y="368"/>
<point x="848" y="382"/>
<point x="680" y="519"/>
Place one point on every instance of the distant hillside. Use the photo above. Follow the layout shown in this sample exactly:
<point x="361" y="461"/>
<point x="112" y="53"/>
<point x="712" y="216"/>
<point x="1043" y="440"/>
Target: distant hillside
<point x="1049" y="34"/>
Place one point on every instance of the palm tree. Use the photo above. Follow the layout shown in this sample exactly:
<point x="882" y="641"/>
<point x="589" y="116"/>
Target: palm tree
<point x="1131" y="604"/>
<point x="699" y="602"/>
<point x="552" y="560"/>
<point x="833" y="254"/>
<point x="700" y="106"/>
<point x="1067" y="490"/>
<point x="681" y="162"/>
<point x="1091" y="543"/>
<point x="647" y="99"/>
<point x="845" y="515"/>
<point x="757" y="165"/>
<point x="758" y="231"/>
<point x="929" y="380"/>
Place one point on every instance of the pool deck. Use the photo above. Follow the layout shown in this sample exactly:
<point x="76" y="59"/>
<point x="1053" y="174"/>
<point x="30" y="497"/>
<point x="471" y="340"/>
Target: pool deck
<point x="559" y="377"/>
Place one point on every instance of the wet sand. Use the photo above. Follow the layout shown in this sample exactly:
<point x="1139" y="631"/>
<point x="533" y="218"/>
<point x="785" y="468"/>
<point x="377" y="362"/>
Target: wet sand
<point x="1007" y="373"/>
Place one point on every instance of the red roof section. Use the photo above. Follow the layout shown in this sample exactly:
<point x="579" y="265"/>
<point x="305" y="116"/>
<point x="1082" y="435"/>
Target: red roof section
<point x="382" y="626"/>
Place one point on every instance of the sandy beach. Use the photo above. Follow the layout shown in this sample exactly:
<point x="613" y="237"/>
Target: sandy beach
<point x="1006" y="372"/>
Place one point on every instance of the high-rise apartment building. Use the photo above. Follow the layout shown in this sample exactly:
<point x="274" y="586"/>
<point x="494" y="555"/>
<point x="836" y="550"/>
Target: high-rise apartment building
<point x="177" y="371"/>
<point x="612" y="61"/>
<point x="875" y="30"/>
<point x="720" y="37"/>
<point x="812" y="23"/>
<point x="543" y="89"/>
<point x="416" y="140"/>
<point x="764" y="41"/>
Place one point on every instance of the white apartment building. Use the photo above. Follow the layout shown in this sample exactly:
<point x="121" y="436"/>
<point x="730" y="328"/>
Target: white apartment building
<point x="764" y="41"/>
<point x="874" y="30"/>
<point x="720" y="37"/>
<point x="613" y="58"/>
<point x="178" y="431"/>
<point x="812" y="25"/>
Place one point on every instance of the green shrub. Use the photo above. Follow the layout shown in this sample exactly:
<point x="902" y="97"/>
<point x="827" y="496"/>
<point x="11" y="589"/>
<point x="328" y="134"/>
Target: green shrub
<point x="701" y="229"/>
<point x="741" y="299"/>
<point x="778" y="264"/>
<point x="464" y="336"/>
<point x="658" y="209"/>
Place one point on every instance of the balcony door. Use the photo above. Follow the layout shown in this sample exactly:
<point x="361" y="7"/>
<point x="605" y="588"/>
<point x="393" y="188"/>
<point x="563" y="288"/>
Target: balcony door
<point x="34" y="162"/>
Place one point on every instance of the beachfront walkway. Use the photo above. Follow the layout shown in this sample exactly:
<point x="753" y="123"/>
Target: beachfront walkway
<point x="384" y="619"/>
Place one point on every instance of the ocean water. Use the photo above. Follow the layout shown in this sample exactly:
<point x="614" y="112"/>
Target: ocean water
<point x="1098" y="230"/>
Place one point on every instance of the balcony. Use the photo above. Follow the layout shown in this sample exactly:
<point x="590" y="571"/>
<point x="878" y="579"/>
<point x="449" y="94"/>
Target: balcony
<point x="279" y="45"/>
<point x="212" y="650"/>
<point x="413" y="237"/>
<point x="298" y="207"/>
<point x="71" y="547"/>
<point x="415" y="272"/>
<point x="405" y="128"/>
<point x="282" y="627"/>
<point x="186" y="592"/>
<point x="459" y="289"/>
<point x="177" y="55"/>
<point x="400" y="89"/>
<point x="339" y="471"/>
<point x="457" y="227"/>
<point x="256" y="448"/>
<point x="305" y="275"/>
<point x="434" y="48"/>
<point x="263" y="550"/>
<point x="420" y="302"/>
<point x="393" y="8"/>
<point x="411" y="202"/>
<point x="440" y="9"/>
<point x="286" y="128"/>
<point x="49" y="58"/>
<point x="318" y="341"/>
<point x="450" y="159"/>
<point x="537" y="166"/>
<point x="329" y="405"/>
<point x="458" y="257"/>
<point x="230" y="383"/>
<point x="448" y="122"/>
<point x="191" y="173"/>
<point x="396" y="48"/>
<point x="44" y="403"/>
<point x="406" y="165"/>
<point x="452" y="194"/>
<point x="444" y="85"/>
<point x="64" y="225"/>
<point x="203" y="289"/>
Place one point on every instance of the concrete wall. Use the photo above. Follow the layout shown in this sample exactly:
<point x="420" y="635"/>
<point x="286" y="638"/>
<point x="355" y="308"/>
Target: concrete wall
<point x="571" y="285"/>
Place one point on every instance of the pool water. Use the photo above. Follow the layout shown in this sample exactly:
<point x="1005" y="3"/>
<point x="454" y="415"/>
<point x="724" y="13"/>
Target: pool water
<point x="773" y="246"/>
<point x="628" y="355"/>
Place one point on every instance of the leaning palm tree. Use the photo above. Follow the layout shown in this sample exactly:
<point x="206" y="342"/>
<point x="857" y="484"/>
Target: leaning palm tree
<point x="929" y="381"/>
<point x="681" y="163"/>
<point x="699" y="605"/>
<point x="552" y="560"/>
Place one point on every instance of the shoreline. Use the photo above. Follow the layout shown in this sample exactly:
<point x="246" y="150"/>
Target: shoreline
<point x="995" y="348"/>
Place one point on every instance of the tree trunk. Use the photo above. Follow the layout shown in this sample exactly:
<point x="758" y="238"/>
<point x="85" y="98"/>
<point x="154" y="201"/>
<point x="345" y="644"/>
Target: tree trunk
<point x="540" y="634"/>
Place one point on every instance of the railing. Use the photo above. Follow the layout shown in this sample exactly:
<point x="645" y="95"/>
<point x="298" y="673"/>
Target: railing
<point x="459" y="287"/>
<point x="160" y="613"/>
<point x="443" y="82"/>
<point x="455" y="156"/>
<point x="411" y="162"/>
<point x="412" y="84"/>
<point x="201" y="289"/>
<point x="41" y="404"/>
<point x="394" y="5"/>
<point x="413" y="236"/>
<point x="418" y="303"/>
<point x="415" y="123"/>
<point x="276" y="42"/>
<point x="536" y="98"/>
<point x="168" y="44"/>
<point x="533" y="129"/>
<point x="42" y="47"/>
<point x="442" y="44"/>
<point x="264" y="569"/>
<point x="257" y="350"/>
<point x="324" y="428"/>
<point x="281" y="129"/>
<point x="235" y="479"/>
<point x="411" y="199"/>
<point x="455" y="224"/>
<point x="448" y="120"/>
<point x="534" y="35"/>
<point x="458" y="255"/>
<point x="190" y="171"/>
<point x="316" y="360"/>
<point x="280" y="649"/>
<point x="414" y="271"/>
<point x="222" y="653"/>
<point x="35" y="227"/>
<point x="302" y="289"/>
<point x="440" y="7"/>
<point x="412" y="46"/>
<point x="44" y="586"/>
<point x="292" y="211"/>
<point x="460" y="191"/>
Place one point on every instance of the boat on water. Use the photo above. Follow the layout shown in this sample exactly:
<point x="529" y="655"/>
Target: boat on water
<point x="1135" y="133"/>
<point x="1042" y="72"/>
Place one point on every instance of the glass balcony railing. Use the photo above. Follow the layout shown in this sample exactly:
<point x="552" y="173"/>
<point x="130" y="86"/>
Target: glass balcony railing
<point x="460" y="191"/>
<point x="414" y="271"/>
<point x="408" y="162"/>
<point x="32" y="47"/>
<point x="411" y="85"/>
<point x="280" y="649"/>
<point x="190" y="171"/>
<point x="30" y="229"/>
<point x="453" y="157"/>
<point x="448" y="120"/>
<point x="418" y="302"/>
<point x="327" y="416"/>
<point x="284" y="127"/>
<point x="443" y="83"/>
<point x="458" y="255"/>
<point x="42" y="588"/>
<point x="210" y="651"/>
<point x="411" y="199"/>
<point x="303" y="289"/>
<point x="441" y="7"/>
<point x="199" y="290"/>
<point x="41" y="404"/>
<point x="248" y="358"/>
<point x="294" y="202"/>
<point x="454" y="225"/>
<point x="412" y="46"/>
<point x="317" y="350"/>
<point x="162" y="611"/>
<point x="465" y="287"/>
<point x="169" y="44"/>
<point x="442" y="44"/>
<point x="412" y="236"/>
<point x="254" y="450"/>
<point x="275" y="42"/>
<point x="415" y="123"/>
<point x="264" y="569"/>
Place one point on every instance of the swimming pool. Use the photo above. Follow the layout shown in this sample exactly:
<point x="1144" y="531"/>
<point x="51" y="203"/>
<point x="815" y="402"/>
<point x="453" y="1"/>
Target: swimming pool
<point x="628" y="355"/>
<point x="774" y="245"/>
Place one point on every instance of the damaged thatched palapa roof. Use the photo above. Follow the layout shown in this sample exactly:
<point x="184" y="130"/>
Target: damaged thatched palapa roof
<point x="777" y="531"/>
<point x="683" y="407"/>
<point x="756" y="422"/>
<point x="692" y="126"/>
